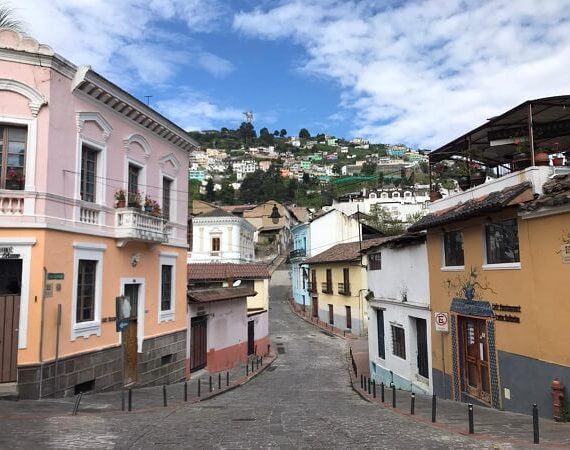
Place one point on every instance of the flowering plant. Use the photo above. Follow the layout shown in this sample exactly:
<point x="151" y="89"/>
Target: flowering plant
<point x="120" y="195"/>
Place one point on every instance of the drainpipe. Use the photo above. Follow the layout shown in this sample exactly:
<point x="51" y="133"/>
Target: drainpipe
<point x="42" y="335"/>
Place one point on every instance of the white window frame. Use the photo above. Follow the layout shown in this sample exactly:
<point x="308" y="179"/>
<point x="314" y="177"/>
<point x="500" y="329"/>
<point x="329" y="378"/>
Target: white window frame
<point x="92" y="252"/>
<point x="142" y="176"/>
<point x="167" y="259"/>
<point x="445" y="268"/>
<point x="101" y="170"/>
<point x="498" y="266"/>
<point x="173" y="196"/>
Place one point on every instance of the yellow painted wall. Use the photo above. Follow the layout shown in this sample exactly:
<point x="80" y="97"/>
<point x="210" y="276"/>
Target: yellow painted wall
<point x="261" y="300"/>
<point x="54" y="250"/>
<point x="357" y="275"/>
<point x="540" y="287"/>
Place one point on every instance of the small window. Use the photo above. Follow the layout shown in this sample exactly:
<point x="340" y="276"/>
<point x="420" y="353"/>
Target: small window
<point x="133" y="186"/>
<point x="86" y="276"/>
<point x="166" y="288"/>
<point x="12" y="158"/>
<point x="375" y="261"/>
<point x="216" y="244"/>
<point x="384" y="195"/>
<point x="502" y="241"/>
<point x="398" y="342"/>
<point x="381" y="339"/>
<point x="88" y="174"/>
<point x="328" y="286"/>
<point x="453" y="248"/>
<point x="166" y="187"/>
<point x="396" y="195"/>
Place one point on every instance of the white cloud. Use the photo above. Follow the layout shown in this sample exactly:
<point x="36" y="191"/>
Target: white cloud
<point x="195" y="112"/>
<point x="120" y="38"/>
<point x="424" y="72"/>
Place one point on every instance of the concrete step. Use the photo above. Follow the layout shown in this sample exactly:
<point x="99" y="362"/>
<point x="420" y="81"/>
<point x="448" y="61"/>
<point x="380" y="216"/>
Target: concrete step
<point x="9" y="391"/>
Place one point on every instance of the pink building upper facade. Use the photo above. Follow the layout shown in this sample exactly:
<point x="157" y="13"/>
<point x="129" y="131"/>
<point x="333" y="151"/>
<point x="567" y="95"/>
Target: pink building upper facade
<point x="71" y="142"/>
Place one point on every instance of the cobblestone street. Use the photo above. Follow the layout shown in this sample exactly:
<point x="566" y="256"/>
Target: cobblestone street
<point x="303" y="401"/>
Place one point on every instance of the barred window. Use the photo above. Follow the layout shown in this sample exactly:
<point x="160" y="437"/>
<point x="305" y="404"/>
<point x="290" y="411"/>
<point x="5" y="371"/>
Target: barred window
<point x="166" y="288"/>
<point x="86" y="276"/>
<point x="502" y="241"/>
<point x="375" y="261"/>
<point x="398" y="342"/>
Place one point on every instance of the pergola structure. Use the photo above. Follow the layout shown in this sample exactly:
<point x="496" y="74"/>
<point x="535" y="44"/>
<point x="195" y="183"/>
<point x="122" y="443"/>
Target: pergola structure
<point x="542" y="123"/>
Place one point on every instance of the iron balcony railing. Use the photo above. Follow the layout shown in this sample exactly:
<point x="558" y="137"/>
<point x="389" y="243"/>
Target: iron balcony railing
<point x="344" y="288"/>
<point x="326" y="288"/>
<point x="298" y="253"/>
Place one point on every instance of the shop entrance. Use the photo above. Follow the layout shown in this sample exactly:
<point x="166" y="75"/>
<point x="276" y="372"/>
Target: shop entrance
<point x="475" y="358"/>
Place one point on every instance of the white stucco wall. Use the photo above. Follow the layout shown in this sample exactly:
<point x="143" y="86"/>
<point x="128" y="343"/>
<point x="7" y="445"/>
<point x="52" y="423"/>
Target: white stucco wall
<point x="331" y="229"/>
<point x="236" y="240"/>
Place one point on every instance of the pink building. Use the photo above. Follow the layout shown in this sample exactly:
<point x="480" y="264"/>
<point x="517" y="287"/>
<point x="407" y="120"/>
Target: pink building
<point x="78" y="156"/>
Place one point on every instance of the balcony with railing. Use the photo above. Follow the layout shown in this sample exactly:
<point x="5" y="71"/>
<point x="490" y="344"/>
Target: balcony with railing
<point x="312" y="287"/>
<point x="326" y="288"/>
<point x="11" y="203"/>
<point x="344" y="288"/>
<point x="298" y="253"/>
<point x="132" y="224"/>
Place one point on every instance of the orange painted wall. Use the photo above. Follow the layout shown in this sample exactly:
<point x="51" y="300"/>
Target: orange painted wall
<point x="539" y="287"/>
<point x="54" y="250"/>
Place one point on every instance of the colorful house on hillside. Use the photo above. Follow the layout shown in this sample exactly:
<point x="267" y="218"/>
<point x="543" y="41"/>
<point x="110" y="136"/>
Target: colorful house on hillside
<point x="79" y="157"/>
<point x="499" y="260"/>
<point x="228" y="326"/>
<point x="299" y="270"/>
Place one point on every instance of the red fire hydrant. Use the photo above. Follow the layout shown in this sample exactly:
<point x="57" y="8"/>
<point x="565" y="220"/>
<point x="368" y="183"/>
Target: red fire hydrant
<point x="557" y="399"/>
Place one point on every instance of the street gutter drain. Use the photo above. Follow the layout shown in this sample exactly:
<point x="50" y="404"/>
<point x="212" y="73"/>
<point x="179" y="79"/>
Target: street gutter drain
<point x="280" y="350"/>
<point x="244" y="419"/>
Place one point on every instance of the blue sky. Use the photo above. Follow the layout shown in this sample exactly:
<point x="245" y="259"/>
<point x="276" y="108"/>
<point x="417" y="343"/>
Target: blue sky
<point x="419" y="72"/>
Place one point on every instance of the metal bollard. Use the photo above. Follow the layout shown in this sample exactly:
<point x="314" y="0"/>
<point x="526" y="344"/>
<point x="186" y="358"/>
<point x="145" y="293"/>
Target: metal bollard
<point x="433" y="407"/>
<point x="413" y="404"/>
<point x="535" y="430"/>
<point x="369" y="386"/>
<point x="382" y="391"/>
<point x="374" y="388"/>
<point x="76" y="405"/>
<point x="257" y="363"/>
<point x="252" y="369"/>
<point x="219" y="380"/>
<point x="211" y="383"/>
<point x="185" y="391"/>
<point x="246" y="369"/>
<point x="122" y="399"/>
<point x="164" y="400"/>
<point x="393" y="396"/>
<point x="361" y="381"/>
<point x="227" y="378"/>
<point x="130" y="400"/>
<point x="261" y="360"/>
<point x="199" y="387"/>
<point x="470" y="413"/>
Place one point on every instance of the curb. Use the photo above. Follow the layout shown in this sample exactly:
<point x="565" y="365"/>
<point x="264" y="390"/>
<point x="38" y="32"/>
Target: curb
<point x="316" y="325"/>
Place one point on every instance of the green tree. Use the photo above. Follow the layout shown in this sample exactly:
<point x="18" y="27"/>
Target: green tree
<point x="8" y="20"/>
<point x="304" y="134"/>
<point x="368" y="169"/>
<point x="247" y="132"/>
<point x="306" y="178"/>
<point x="336" y="169"/>
<point x="283" y="132"/>
<point x="210" y="192"/>
<point x="266" y="137"/>
<point x="193" y="192"/>
<point x="321" y="137"/>
<point x="227" y="193"/>
<point x="381" y="219"/>
<point x="276" y="133"/>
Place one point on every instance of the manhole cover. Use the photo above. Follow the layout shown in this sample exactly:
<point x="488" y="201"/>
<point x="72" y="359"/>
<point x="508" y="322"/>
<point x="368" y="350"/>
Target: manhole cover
<point x="280" y="350"/>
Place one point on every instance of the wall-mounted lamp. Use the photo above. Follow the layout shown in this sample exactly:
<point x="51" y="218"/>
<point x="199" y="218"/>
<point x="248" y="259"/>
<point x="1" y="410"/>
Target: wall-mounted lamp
<point x="135" y="259"/>
<point x="275" y="216"/>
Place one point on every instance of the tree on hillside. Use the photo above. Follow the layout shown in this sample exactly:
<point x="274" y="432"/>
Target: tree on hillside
<point x="266" y="137"/>
<point x="304" y="134"/>
<point x="276" y="133"/>
<point x="283" y="132"/>
<point x="8" y="20"/>
<point x="247" y="132"/>
<point x="306" y="178"/>
<point x="227" y="193"/>
<point x="210" y="192"/>
<point x="336" y="169"/>
<point x="368" y="169"/>
<point x="320" y="137"/>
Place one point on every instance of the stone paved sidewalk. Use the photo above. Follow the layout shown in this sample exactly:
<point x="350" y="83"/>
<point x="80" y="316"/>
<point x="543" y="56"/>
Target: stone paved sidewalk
<point x="143" y="399"/>
<point x="506" y="427"/>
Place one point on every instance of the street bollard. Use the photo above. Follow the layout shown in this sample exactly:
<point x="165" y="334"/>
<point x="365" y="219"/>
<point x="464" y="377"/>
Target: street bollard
<point x="413" y="404"/>
<point x="130" y="400"/>
<point x="261" y="360"/>
<point x="252" y="369"/>
<point x="470" y="414"/>
<point x="369" y="386"/>
<point x="433" y="407"/>
<point x="219" y="380"/>
<point x="199" y="383"/>
<point x="257" y="363"/>
<point x="185" y="391"/>
<point x="227" y="378"/>
<point x="122" y="399"/>
<point x="393" y="396"/>
<point x="382" y="391"/>
<point x="361" y="381"/>
<point x="246" y="369"/>
<point x="77" y="401"/>
<point x="164" y="401"/>
<point x="211" y="383"/>
<point x="535" y="430"/>
<point x="374" y="388"/>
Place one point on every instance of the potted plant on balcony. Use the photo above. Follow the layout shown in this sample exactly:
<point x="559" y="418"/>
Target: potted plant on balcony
<point x="15" y="179"/>
<point x="541" y="156"/>
<point x="156" y="210"/>
<point x="478" y="175"/>
<point x="148" y="203"/>
<point x="521" y="157"/>
<point x="434" y="193"/>
<point x="135" y="200"/>
<point x="462" y="171"/>
<point x="120" y="198"/>
<point x="558" y="160"/>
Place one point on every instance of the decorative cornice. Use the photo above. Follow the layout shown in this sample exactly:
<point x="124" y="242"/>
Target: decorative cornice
<point x="15" y="41"/>
<point x="96" y="117"/>
<point x="139" y="139"/>
<point x="36" y="99"/>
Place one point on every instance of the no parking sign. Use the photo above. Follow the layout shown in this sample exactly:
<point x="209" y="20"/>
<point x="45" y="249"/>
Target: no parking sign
<point x="442" y="322"/>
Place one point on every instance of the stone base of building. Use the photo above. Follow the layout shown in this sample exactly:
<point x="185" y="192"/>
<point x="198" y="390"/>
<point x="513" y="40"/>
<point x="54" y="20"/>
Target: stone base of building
<point x="161" y="362"/>
<point x="382" y="375"/>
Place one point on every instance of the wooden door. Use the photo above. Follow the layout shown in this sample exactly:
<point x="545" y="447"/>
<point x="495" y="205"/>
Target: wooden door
<point x="422" y="347"/>
<point x="198" y="342"/>
<point x="331" y="314"/>
<point x="251" y="337"/>
<point x="348" y="317"/>
<point x="9" y="319"/>
<point x="315" y="303"/>
<point x="475" y="361"/>
<point x="130" y="336"/>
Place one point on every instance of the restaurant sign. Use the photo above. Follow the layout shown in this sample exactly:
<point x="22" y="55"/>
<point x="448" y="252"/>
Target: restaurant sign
<point x="8" y="253"/>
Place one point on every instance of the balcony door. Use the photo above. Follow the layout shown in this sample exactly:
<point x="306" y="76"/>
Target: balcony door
<point x="133" y="186"/>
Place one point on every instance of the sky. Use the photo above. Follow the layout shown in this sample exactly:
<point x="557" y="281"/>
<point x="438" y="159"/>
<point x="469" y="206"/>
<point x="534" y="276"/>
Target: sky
<point x="414" y="72"/>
